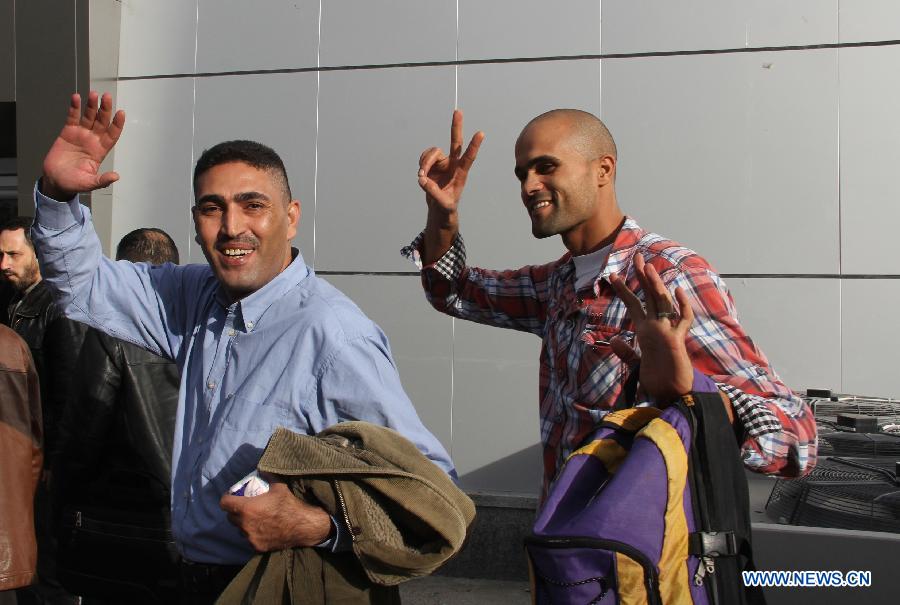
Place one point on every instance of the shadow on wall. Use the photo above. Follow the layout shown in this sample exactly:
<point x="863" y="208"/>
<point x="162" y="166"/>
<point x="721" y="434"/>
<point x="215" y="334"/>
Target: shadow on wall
<point x="518" y="473"/>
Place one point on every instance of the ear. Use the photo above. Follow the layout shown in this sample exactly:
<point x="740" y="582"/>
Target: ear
<point x="293" y="212"/>
<point x="606" y="170"/>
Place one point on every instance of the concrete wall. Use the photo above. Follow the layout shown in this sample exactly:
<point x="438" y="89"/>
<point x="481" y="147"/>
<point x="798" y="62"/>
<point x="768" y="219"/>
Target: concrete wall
<point x="51" y="62"/>
<point x="760" y="133"/>
<point x="7" y="50"/>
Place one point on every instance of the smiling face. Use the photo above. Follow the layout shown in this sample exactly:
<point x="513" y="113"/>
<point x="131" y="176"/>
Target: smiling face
<point x="244" y="221"/>
<point x="18" y="263"/>
<point x="562" y="186"/>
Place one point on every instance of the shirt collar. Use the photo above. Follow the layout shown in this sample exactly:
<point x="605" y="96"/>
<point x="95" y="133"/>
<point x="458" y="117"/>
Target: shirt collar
<point x="251" y="308"/>
<point x="623" y="249"/>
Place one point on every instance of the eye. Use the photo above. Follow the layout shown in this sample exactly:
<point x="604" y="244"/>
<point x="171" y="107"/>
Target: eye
<point x="209" y="209"/>
<point x="545" y="167"/>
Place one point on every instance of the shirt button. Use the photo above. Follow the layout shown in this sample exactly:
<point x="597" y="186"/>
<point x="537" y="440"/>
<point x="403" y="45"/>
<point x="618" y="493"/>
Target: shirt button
<point x="232" y="332"/>
<point x="211" y="384"/>
<point x="249" y="324"/>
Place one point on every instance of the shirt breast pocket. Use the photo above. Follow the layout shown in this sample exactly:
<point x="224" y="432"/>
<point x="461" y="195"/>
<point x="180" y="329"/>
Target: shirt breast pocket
<point x="254" y="411"/>
<point x="600" y="369"/>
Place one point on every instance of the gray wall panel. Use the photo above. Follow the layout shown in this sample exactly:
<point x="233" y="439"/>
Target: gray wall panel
<point x="7" y="50"/>
<point x="373" y="124"/>
<point x="723" y="152"/>
<point x="631" y="26"/>
<point x="47" y="73"/>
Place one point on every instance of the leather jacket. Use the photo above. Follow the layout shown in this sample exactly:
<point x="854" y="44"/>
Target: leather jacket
<point x="55" y="342"/>
<point x="113" y="470"/>
<point x="116" y="435"/>
<point x="20" y="460"/>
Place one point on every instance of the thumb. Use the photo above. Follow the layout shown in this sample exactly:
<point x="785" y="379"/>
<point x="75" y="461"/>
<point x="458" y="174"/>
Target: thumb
<point x="232" y="504"/>
<point x="434" y="192"/>
<point x="428" y="185"/>
<point x="625" y="351"/>
<point x="106" y="179"/>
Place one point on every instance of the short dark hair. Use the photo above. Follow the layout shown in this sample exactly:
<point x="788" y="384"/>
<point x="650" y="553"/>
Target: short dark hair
<point x="250" y="153"/>
<point x="19" y="222"/>
<point x="147" y="245"/>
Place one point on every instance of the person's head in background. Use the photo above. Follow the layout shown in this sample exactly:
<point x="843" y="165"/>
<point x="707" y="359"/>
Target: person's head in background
<point x="147" y="245"/>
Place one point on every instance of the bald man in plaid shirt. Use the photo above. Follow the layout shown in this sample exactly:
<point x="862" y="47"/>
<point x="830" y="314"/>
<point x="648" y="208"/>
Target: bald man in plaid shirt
<point x="621" y="300"/>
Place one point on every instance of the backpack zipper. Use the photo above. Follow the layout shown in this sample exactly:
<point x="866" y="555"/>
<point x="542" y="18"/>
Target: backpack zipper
<point x="651" y="581"/>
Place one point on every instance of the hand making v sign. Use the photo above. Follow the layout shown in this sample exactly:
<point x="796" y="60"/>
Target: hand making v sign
<point x="443" y="178"/>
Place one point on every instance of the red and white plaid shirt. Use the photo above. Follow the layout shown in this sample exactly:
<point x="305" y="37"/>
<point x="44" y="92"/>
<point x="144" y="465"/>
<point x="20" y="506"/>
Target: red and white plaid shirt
<point x="581" y="378"/>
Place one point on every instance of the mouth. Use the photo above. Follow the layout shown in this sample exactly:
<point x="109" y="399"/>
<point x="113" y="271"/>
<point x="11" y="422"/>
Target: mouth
<point x="537" y="208"/>
<point x="235" y="256"/>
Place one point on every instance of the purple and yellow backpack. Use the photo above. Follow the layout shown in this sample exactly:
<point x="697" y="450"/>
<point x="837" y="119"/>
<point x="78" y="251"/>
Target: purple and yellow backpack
<point x="652" y="510"/>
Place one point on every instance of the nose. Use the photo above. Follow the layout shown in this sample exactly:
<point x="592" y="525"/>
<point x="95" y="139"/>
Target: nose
<point x="531" y="184"/>
<point x="232" y="223"/>
<point x="5" y="261"/>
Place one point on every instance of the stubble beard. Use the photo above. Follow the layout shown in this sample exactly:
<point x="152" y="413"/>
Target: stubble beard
<point x="29" y="277"/>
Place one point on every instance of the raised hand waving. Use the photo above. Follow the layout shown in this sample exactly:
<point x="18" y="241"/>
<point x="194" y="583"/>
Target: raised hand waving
<point x="73" y="163"/>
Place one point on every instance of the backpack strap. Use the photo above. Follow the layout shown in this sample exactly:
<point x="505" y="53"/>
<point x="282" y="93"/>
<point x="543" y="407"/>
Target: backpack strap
<point x="713" y="544"/>
<point x="723" y="494"/>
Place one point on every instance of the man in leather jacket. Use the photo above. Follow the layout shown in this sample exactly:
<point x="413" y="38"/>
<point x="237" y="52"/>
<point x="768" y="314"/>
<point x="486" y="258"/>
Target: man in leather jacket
<point x="55" y="342"/>
<point x="53" y="339"/>
<point x="20" y="463"/>
<point x="114" y="465"/>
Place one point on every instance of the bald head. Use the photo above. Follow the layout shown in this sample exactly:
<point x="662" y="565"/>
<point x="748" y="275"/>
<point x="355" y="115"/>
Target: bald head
<point x="589" y="136"/>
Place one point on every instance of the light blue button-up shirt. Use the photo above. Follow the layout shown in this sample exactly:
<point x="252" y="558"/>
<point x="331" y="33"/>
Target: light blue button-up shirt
<point x="296" y="353"/>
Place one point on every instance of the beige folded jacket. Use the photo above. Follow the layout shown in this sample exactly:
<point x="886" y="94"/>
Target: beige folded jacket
<point x="405" y="515"/>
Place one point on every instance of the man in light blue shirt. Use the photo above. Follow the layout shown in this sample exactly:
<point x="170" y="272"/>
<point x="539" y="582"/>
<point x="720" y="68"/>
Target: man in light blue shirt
<point x="260" y="340"/>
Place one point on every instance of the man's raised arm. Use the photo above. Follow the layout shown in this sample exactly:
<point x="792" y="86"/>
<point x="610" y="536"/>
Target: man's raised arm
<point x="134" y="302"/>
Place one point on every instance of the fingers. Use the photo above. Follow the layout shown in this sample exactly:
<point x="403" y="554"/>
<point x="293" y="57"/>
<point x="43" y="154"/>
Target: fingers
<point x="687" y="312"/>
<point x="640" y="271"/>
<point x="429" y="158"/>
<point x="111" y="135"/>
<point x="74" y="115"/>
<point x="632" y="303"/>
<point x="105" y="112"/>
<point x="656" y="295"/>
<point x="468" y="158"/>
<point x="90" y="112"/>
<point x="456" y="136"/>
<point x="625" y="351"/>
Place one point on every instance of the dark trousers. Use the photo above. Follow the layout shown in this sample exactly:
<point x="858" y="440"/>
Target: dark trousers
<point x="202" y="584"/>
<point x="8" y="597"/>
<point x="46" y="589"/>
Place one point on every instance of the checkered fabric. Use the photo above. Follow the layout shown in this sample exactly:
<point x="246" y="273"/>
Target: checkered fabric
<point x="580" y="376"/>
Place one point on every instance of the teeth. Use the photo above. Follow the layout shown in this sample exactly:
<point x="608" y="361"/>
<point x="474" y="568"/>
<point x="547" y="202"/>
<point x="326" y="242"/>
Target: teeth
<point x="539" y="205"/>
<point x="236" y="252"/>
